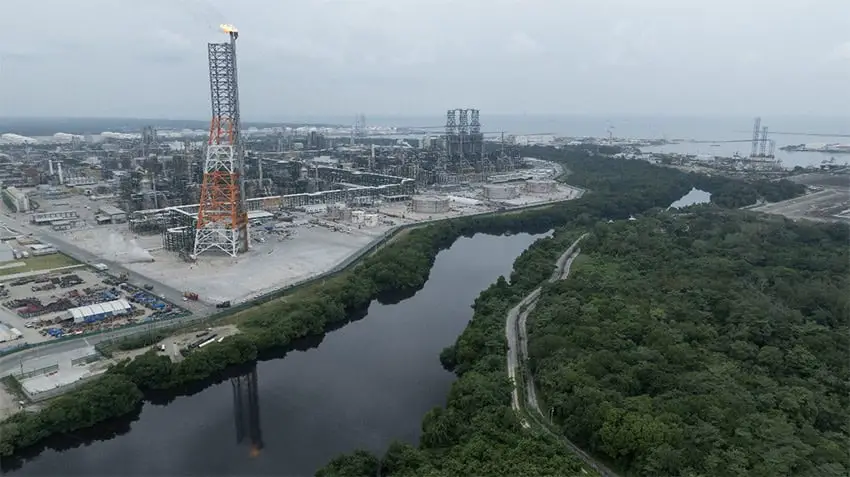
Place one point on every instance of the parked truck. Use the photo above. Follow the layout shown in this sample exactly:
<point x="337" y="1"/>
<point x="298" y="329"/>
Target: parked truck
<point x="188" y="295"/>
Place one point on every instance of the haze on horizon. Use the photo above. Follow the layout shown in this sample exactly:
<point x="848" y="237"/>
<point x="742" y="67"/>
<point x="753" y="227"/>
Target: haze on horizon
<point x="110" y="58"/>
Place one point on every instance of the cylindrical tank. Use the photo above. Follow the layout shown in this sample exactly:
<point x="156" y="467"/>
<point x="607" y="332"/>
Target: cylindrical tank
<point x="431" y="205"/>
<point x="500" y="192"/>
<point x="541" y="186"/>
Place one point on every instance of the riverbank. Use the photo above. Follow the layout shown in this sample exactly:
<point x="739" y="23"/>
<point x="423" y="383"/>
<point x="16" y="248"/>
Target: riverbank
<point x="402" y="266"/>
<point x="477" y="432"/>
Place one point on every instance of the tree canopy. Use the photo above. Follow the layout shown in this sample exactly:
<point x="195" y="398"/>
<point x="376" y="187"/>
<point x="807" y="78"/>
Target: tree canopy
<point x="701" y="344"/>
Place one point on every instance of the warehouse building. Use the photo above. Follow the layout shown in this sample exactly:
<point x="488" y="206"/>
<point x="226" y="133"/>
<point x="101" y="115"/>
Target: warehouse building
<point x="109" y="214"/>
<point x="99" y="311"/>
<point x="46" y="218"/>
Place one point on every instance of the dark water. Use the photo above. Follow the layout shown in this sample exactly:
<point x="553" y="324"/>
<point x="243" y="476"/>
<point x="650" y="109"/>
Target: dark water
<point x="363" y="386"/>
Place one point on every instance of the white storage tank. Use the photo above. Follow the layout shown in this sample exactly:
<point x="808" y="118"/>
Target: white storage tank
<point x="500" y="192"/>
<point x="431" y="205"/>
<point x="541" y="186"/>
<point x="370" y="220"/>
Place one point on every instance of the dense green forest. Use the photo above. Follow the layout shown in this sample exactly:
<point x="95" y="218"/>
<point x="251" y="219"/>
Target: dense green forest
<point x="476" y="431"/>
<point x="619" y="189"/>
<point x="708" y="343"/>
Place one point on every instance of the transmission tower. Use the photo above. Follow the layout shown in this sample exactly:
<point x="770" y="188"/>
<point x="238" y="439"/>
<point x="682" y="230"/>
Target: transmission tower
<point x="222" y="216"/>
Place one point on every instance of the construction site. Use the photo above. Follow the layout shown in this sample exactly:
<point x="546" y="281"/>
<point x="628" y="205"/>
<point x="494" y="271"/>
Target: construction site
<point x="241" y="214"/>
<point x="827" y="200"/>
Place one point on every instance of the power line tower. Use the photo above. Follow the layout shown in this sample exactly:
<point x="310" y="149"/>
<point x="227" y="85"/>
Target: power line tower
<point x="222" y="215"/>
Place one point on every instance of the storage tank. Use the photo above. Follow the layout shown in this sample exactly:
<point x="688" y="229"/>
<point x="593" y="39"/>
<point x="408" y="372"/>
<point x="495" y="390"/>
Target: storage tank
<point x="430" y="205"/>
<point x="541" y="186"/>
<point x="370" y="220"/>
<point x="500" y="192"/>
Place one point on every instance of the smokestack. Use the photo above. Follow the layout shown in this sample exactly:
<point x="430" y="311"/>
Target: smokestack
<point x="61" y="177"/>
<point x="50" y="164"/>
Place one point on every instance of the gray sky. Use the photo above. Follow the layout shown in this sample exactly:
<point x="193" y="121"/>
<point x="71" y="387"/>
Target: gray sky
<point x="147" y="58"/>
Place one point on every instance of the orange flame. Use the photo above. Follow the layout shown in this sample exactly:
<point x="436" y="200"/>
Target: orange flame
<point x="228" y="28"/>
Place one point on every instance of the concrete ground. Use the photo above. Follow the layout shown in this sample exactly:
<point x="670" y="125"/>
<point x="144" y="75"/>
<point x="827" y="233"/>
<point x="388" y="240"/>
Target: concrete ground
<point x="267" y="266"/>
<point x="822" y="206"/>
<point x="823" y="179"/>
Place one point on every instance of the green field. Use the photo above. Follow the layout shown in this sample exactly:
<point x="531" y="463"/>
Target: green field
<point x="34" y="264"/>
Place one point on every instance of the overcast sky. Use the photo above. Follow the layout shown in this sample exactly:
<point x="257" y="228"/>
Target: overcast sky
<point x="147" y="58"/>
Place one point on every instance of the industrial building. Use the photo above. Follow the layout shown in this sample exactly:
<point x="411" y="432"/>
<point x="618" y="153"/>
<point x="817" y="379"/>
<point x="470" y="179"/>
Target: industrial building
<point x="50" y="375"/>
<point x="98" y="312"/>
<point x="109" y="214"/>
<point x="16" y="200"/>
<point x="48" y="218"/>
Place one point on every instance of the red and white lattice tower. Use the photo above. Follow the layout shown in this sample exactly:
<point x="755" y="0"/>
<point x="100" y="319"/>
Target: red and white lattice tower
<point x="222" y="217"/>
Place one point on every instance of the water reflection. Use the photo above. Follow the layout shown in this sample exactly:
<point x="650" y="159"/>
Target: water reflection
<point x="246" y="411"/>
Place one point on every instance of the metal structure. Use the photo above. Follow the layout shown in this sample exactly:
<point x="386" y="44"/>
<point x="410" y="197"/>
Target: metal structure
<point x="755" y="144"/>
<point x="464" y="141"/>
<point x="451" y="132"/>
<point x="222" y="216"/>
<point x="761" y="147"/>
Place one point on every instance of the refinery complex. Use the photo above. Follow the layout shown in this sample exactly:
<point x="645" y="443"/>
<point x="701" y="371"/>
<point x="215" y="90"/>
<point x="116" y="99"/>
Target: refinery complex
<point x="126" y="228"/>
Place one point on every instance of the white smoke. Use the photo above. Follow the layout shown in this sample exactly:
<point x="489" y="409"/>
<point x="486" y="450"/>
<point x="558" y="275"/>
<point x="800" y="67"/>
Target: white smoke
<point x="119" y="249"/>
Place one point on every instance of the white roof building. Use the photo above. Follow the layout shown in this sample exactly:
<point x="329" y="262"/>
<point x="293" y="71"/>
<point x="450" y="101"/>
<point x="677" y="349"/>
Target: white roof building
<point x="98" y="311"/>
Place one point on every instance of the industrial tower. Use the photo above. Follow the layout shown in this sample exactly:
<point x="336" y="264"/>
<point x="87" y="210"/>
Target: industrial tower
<point x="222" y="215"/>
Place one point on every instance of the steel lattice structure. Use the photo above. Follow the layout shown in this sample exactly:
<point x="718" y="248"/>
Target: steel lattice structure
<point x="222" y="215"/>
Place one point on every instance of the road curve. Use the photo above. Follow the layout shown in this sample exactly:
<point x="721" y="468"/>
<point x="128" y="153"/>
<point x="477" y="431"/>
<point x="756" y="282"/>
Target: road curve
<point x="517" y="336"/>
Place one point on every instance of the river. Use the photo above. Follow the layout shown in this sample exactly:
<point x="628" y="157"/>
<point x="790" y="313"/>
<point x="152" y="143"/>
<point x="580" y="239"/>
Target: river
<point x="363" y="386"/>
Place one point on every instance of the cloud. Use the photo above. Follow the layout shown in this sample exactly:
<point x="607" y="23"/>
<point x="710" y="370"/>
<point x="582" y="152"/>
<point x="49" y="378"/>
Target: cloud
<point x="521" y="43"/>
<point x="841" y="52"/>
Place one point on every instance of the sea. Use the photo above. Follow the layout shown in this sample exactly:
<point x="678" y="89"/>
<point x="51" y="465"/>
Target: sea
<point x="806" y="129"/>
<point x="737" y="131"/>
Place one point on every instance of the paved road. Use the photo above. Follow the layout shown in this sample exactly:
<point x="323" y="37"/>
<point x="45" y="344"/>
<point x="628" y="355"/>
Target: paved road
<point x="516" y="333"/>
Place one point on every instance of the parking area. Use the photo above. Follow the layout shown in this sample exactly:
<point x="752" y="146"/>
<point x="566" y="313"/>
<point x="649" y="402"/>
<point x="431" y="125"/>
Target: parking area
<point x="73" y="301"/>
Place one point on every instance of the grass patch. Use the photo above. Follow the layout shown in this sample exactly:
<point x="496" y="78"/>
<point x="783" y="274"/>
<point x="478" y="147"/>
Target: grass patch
<point x="579" y="261"/>
<point x="35" y="264"/>
<point x="13" y="386"/>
